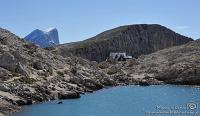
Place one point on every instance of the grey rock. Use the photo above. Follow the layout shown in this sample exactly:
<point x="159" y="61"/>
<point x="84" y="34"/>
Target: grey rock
<point x="22" y="69"/>
<point x="4" y="74"/>
<point x="4" y="88"/>
<point x="7" y="61"/>
<point x="22" y="102"/>
<point x="29" y="102"/>
<point x="108" y="82"/>
<point x="38" y="65"/>
<point x="68" y="95"/>
<point x="92" y="84"/>
<point x="144" y="83"/>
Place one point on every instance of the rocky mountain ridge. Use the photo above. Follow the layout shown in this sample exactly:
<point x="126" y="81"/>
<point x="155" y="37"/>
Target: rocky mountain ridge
<point x="135" y="40"/>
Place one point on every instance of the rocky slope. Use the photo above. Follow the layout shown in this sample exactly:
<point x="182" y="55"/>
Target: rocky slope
<point x="175" y="65"/>
<point x="44" y="39"/>
<point x="179" y="65"/>
<point x="135" y="40"/>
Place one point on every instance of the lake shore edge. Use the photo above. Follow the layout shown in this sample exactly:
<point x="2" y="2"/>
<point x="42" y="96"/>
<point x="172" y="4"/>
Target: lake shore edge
<point x="19" y="108"/>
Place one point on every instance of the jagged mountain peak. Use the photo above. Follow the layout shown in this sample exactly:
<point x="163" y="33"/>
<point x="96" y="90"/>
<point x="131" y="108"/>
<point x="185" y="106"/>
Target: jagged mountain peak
<point x="44" y="38"/>
<point x="51" y="29"/>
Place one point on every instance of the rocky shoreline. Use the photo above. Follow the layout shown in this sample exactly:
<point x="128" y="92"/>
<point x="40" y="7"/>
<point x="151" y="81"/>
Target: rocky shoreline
<point x="11" y="108"/>
<point x="11" y="104"/>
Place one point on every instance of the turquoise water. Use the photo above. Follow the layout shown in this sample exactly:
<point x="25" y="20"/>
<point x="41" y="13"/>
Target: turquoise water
<point x="124" y="101"/>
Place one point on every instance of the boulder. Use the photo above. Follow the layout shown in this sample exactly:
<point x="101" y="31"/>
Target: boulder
<point x="21" y="102"/>
<point x="19" y="57"/>
<point x="22" y="70"/>
<point x="113" y="70"/>
<point x="68" y="95"/>
<point x="144" y="83"/>
<point x="76" y="80"/>
<point x="29" y="102"/>
<point x="92" y="84"/>
<point x="108" y="82"/>
<point x="7" y="61"/>
<point x="38" y="65"/>
<point x="54" y="95"/>
<point x="103" y="65"/>
<point x="4" y="74"/>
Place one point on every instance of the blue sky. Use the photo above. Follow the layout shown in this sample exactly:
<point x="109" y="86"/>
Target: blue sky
<point x="80" y="19"/>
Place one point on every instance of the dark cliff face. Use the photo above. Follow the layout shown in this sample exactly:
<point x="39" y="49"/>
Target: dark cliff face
<point x="135" y="40"/>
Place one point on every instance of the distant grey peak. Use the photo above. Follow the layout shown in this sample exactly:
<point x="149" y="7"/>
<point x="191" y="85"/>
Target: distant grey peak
<point x="44" y="38"/>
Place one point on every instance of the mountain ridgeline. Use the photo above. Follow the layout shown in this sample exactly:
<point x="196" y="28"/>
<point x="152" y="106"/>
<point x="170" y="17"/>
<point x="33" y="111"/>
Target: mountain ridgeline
<point x="135" y="40"/>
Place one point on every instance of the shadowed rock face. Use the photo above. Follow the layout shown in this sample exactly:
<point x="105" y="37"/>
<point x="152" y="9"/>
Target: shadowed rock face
<point x="133" y="39"/>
